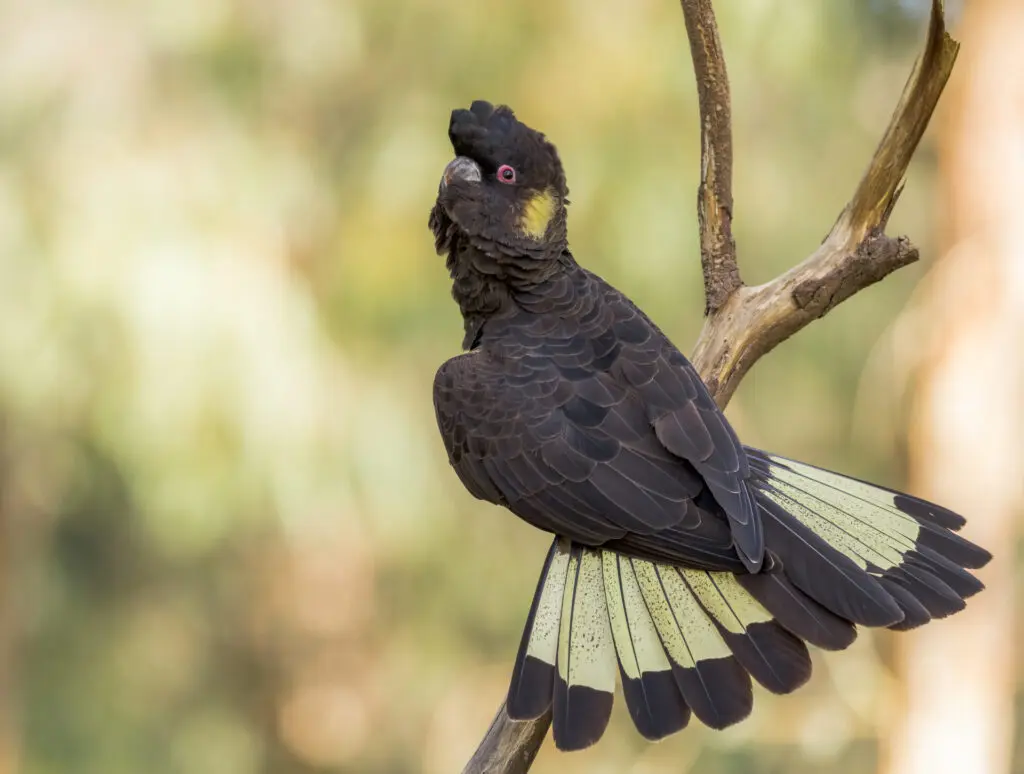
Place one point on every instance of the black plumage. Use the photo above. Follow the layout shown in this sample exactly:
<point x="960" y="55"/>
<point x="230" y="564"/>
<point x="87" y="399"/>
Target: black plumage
<point x="692" y="561"/>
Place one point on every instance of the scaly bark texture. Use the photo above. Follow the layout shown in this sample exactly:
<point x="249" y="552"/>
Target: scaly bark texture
<point x="714" y="197"/>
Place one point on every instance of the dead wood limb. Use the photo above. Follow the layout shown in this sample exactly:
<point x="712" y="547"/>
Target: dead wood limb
<point x="744" y="323"/>
<point x="714" y="197"/>
<point x="856" y="253"/>
<point x="509" y="746"/>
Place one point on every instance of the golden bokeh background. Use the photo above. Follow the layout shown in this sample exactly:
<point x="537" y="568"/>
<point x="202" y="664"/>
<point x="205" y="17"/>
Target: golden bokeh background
<point x="231" y="539"/>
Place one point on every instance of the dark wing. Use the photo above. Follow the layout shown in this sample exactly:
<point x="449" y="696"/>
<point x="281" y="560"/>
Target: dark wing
<point x="686" y="419"/>
<point x="566" y="447"/>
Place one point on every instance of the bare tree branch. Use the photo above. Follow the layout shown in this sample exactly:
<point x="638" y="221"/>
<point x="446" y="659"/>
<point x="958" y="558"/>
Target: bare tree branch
<point x="744" y="323"/>
<point x="714" y="197"/>
<point x="509" y="746"/>
<point x="856" y="253"/>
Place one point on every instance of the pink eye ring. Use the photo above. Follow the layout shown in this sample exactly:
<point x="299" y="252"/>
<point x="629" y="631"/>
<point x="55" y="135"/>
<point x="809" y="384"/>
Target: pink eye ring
<point x="506" y="174"/>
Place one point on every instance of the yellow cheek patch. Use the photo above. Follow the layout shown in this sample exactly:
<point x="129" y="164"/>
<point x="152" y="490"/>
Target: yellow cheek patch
<point x="537" y="214"/>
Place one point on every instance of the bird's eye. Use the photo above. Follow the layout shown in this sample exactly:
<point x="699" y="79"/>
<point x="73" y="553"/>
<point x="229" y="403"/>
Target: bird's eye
<point x="506" y="174"/>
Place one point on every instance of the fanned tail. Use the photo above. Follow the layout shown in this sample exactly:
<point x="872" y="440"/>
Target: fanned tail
<point x="867" y="554"/>
<point x="685" y="642"/>
<point x="840" y="552"/>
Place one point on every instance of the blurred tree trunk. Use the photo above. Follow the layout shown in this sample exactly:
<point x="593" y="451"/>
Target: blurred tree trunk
<point x="968" y="419"/>
<point x="9" y="737"/>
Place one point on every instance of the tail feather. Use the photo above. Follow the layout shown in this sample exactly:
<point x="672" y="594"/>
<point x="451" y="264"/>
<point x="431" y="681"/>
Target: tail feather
<point x="937" y="597"/>
<point x="826" y="573"/>
<point x="924" y="511"/>
<point x="687" y="641"/>
<point x="795" y="611"/>
<point x="654" y="700"/>
<point x="772" y="655"/>
<point x="902" y="544"/>
<point x="914" y="613"/>
<point x="710" y="678"/>
<point x="533" y="678"/>
<point x="958" y="579"/>
<point x="952" y="546"/>
<point x="586" y="662"/>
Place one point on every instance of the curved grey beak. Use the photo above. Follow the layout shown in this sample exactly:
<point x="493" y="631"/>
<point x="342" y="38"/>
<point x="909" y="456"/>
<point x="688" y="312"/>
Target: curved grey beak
<point x="461" y="168"/>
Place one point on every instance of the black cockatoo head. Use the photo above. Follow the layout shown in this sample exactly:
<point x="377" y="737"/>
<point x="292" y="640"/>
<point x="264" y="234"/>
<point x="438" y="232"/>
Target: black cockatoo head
<point x="505" y="190"/>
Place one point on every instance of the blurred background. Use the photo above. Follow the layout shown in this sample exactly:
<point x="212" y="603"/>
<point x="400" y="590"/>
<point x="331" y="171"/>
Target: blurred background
<point x="231" y="541"/>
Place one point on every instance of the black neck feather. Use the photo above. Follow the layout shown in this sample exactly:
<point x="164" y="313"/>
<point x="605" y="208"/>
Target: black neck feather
<point x="488" y="282"/>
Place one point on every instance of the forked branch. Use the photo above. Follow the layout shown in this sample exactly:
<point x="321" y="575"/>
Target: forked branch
<point x="856" y="253"/>
<point x="744" y="323"/>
